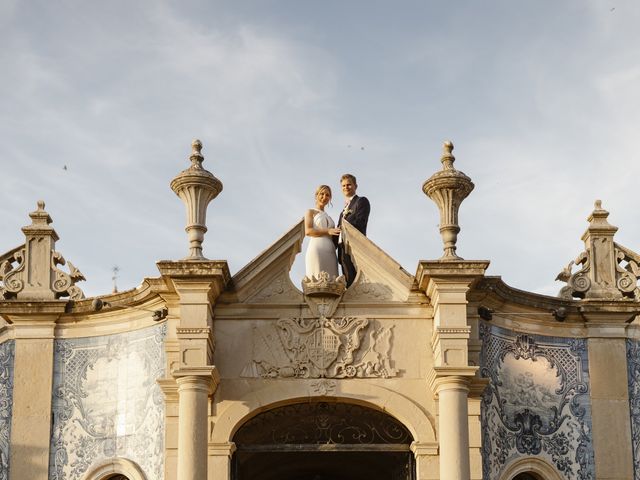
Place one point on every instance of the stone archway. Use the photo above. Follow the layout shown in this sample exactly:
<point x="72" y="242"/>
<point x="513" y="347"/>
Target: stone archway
<point x="322" y="441"/>
<point x="115" y="469"/>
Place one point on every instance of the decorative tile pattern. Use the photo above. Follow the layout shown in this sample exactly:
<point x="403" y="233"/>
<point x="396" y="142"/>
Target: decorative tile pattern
<point x="106" y="402"/>
<point x="633" y="365"/>
<point x="537" y="402"/>
<point x="6" y="401"/>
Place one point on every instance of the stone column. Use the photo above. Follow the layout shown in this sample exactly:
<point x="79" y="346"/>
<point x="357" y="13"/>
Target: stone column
<point x="453" y="425"/>
<point x="194" y="388"/>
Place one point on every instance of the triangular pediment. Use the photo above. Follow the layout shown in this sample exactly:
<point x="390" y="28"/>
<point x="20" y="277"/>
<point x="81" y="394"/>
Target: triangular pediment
<point x="379" y="277"/>
<point x="265" y="279"/>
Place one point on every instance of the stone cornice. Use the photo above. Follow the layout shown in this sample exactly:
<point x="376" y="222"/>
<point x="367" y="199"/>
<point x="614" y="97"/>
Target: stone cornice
<point x="182" y="272"/>
<point x="15" y="310"/>
<point x="495" y="294"/>
<point x="458" y="270"/>
<point x="194" y="268"/>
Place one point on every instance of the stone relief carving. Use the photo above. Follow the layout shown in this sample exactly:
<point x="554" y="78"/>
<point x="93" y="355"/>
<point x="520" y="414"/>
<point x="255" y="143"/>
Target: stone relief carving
<point x="107" y="403"/>
<point x="537" y="402"/>
<point x="278" y="289"/>
<point x="365" y="288"/>
<point x="633" y="366"/>
<point x="344" y="347"/>
<point x="322" y="387"/>
<point x="6" y="402"/>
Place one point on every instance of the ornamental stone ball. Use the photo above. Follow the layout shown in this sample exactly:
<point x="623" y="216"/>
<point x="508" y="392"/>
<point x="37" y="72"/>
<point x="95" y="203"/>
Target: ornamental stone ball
<point x="196" y="187"/>
<point x="448" y="188"/>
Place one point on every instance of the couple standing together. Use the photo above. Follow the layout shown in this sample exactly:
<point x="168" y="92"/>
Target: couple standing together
<point x="325" y="237"/>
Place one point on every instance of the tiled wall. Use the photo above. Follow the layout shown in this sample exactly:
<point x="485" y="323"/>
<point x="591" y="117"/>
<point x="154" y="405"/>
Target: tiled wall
<point x="537" y="403"/>
<point x="6" y="400"/>
<point x="633" y="365"/>
<point x="106" y="403"/>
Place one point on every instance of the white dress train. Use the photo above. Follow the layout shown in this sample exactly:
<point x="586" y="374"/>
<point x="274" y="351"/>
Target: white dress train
<point x="321" y="252"/>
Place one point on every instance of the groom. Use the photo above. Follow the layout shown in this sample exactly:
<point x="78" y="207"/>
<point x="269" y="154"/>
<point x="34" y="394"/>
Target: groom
<point x="356" y="212"/>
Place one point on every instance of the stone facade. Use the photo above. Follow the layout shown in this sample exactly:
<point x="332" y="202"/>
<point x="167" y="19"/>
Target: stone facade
<point x="202" y="373"/>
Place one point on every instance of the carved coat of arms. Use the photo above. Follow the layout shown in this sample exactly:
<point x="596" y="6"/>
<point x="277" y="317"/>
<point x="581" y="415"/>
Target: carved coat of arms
<point x="321" y="348"/>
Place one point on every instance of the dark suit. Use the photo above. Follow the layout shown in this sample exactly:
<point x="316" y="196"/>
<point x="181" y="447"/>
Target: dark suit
<point x="358" y="216"/>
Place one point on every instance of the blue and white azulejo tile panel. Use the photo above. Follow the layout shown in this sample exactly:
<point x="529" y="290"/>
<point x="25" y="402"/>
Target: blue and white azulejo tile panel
<point x="107" y="404"/>
<point x="633" y="366"/>
<point x="537" y="403"/>
<point x="7" y="350"/>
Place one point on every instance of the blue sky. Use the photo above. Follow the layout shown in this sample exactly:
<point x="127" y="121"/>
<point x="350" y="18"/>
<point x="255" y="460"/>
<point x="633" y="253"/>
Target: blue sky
<point x="540" y="98"/>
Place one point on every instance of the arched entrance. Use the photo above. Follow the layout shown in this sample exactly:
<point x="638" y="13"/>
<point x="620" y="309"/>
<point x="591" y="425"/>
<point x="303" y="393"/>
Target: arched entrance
<point x="323" y="441"/>
<point x="527" y="476"/>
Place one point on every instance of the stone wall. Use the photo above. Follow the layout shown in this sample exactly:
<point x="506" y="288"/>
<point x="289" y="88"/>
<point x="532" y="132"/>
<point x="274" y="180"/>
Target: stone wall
<point x="536" y="404"/>
<point x="107" y="404"/>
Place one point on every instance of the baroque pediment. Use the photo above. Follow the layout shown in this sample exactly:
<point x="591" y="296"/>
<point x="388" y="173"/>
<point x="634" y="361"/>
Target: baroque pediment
<point x="380" y="278"/>
<point x="266" y="278"/>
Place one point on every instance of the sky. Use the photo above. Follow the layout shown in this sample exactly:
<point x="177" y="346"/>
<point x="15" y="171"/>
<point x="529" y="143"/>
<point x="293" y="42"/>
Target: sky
<point x="99" y="103"/>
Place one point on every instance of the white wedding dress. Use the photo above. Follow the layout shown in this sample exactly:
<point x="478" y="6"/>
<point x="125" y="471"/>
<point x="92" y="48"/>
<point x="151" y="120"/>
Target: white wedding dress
<point x="321" y="252"/>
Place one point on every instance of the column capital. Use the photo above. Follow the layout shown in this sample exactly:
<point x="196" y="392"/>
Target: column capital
<point x="197" y="378"/>
<point x="451" y="378"/>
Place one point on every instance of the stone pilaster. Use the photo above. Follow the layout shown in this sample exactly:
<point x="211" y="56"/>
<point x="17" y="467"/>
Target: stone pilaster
<point x="220" y="460"/>
<point x="447" y="284"/>
<point x="194" y="378"/>
<point x="32" y="390"/>
<point x="608" y="378"/>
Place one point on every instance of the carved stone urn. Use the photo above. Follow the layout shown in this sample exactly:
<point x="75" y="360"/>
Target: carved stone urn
<point x="196" y="187"/>
<point x="448" y="188"/>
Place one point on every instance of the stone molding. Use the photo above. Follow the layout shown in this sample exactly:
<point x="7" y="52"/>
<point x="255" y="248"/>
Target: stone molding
<point x="115" y="466"/>
<point x="424" y="448"/>
<point x="222" y="449"/>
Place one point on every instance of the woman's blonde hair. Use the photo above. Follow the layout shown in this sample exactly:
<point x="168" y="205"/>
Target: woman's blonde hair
<point x="323" y="188"/>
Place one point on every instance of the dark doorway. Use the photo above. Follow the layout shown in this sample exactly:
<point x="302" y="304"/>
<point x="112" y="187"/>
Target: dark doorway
<point x="527" y="476"/>
<point x="323" y="441"/>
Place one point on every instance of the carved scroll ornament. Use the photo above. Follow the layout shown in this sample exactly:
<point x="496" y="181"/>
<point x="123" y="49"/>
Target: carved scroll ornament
<point x="607" y="270"/>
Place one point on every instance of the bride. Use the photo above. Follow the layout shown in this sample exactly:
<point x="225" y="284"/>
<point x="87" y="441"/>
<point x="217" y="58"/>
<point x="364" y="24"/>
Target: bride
<point x="318" y="225"/>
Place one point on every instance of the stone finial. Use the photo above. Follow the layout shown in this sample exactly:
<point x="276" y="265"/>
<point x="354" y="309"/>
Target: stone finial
<point x="196" y="187"/>
<point x="448" y="188"/>
<point x="29" y="272"/>
<point x="607" y="270"/>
